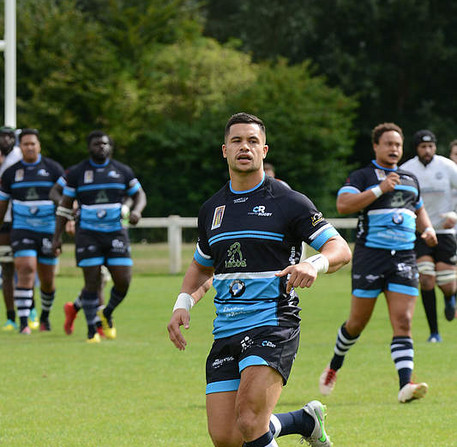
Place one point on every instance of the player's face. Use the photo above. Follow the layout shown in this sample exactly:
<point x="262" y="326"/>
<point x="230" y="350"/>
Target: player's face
<point x="31" y="148"/>
<point x="426" y="151"/>
<point x="453" y="154"/>
<point x="245" y="148"/>
<point x="389" y="150"/>
<point x="100" y="149"/>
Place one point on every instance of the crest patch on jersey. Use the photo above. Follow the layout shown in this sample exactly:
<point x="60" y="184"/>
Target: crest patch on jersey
<point x="217" y="217"/>
<point x="316" y="218"/>
<point x="19" y="175"/>
<point x="380" y="174"/>
<point x="88" y="176"/>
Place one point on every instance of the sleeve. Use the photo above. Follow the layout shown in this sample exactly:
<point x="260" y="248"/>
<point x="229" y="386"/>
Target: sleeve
<point x="71" y="184"/>
<point x="132" y="183"/>
<point x="309" y="224"/>
<point x="354" y="184"/>
<point x="5" y="185"/>
<point x="202" y="253"/>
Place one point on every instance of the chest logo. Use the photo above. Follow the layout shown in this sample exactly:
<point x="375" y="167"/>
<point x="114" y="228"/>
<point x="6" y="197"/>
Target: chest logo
<point x="88" y="176"/>
<point x="235" y="257"/>
<point x="259" y="210"/>
<point x="32" y="194"/>
<point x="316" y="218"/>
<point x="397" y="200"/>
<point x="217" y="217"/>
<point x="101" y="197"/>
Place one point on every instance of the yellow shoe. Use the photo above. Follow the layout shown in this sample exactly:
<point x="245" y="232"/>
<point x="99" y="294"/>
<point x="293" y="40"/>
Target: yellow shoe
<point x="33" y="320"/>
<point x="108" y="326"/>
<point x="9" y="326"/>
<point x="94" y="339"/>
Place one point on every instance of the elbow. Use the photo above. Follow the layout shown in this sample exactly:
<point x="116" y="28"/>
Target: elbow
<point x="347" y="256"/>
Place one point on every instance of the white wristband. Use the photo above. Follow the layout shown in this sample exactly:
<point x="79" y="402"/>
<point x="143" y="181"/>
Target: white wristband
<point x="377" y="191"/>
<point x="184" y="301"/>
<point x="429" y="230"/>
<point x="319" y="262"/>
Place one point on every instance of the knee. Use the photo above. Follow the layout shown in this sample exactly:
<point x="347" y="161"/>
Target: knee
<point x="248" y="423"/>
<point x="403" y="323"/>
<point x="224" y="438"/>
<point x="355" y="327"/>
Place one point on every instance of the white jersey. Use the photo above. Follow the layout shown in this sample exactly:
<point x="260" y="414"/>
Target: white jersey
<point x="437" y="180"/>
<point x="13" y="157"/>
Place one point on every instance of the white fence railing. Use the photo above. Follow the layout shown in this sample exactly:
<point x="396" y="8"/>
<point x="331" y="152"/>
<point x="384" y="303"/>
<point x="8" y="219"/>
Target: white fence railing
<point x="175" y="224"/>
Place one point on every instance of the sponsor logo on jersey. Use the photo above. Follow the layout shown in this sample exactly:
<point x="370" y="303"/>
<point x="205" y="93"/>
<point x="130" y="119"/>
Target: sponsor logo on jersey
<point x="101" y="214"/>
<point x="237" y="288"/>
<point x="113" y="174"/>
<point x="235" y="257"/>
<point x="19" y="175"/>
<point x="397" y="200"/>
<point x="397" y="218"/>
<point x="88" y="176"/>
<point x="316" y="218"/>
<point x="380" y="174"/>
<point x="241" y="200"/>
<point x="217" y="217"/>
<point x="33" y="210"/>
<point x="268" y="344"/>
<point x="259" y="210"/>
<point x="43" y="172"/>
<point x="32" y="194"/>
<point x="246" y="343"/>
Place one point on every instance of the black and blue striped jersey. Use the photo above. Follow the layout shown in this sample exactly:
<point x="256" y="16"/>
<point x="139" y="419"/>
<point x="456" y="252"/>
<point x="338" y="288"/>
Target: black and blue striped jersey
<point x="27" y="185"/>
<point x="100" y="190"/>
<point x="248" y="237"/>
<point x="390" y="221"/>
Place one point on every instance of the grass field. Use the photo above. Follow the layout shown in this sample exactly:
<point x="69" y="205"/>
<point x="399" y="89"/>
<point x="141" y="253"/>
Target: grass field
<point x="58" y="391"/>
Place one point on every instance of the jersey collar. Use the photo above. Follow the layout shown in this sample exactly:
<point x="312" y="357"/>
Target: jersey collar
<point x="96" y="165"/>
<point x="249" y="190"/>
<point x="382" y="167"/>
<point x="32" y="164"/>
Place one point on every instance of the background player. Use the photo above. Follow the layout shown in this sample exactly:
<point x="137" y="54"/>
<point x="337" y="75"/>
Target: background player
<point x="389" y="205"/>
<point x="27" y="184"/>
<point x="99" y="184"/>
<point x="437" y="177"/>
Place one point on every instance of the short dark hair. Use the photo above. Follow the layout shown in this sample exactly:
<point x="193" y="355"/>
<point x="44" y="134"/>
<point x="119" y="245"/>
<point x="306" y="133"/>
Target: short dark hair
<point x="244" y="118"/>
<point x="27" y="131"/>
<point x="97" y="134"/>
<point x="385" y="127"/>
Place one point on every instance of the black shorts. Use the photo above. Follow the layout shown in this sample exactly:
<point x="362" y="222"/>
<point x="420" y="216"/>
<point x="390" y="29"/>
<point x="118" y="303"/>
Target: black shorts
<point x="375" y="270"/>
<point x="445" y="251"/>
<point x="97" y="248"/>
<point x="32" y="243"/>
<point x="267" y="345"/>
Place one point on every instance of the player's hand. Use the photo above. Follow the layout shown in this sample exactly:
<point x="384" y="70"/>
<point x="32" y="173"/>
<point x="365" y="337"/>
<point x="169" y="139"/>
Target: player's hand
<point x="429" y="237"/>
<point x="180" y="317"/>
<point x="450" y="219"/>
<point x="302" y="274"/>
<point x="134" y="217"/>
<point x="389" y="183"/>
<point x="70" y="227"/>
<point x="56" y="247"/>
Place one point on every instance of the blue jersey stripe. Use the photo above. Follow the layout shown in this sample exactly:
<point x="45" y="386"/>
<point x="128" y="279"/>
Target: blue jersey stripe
<point x="90" y="262"/>
<point x="323" y="238"/>
<point x="100" y="186"/>
<point x="25" y="253"/>
<point x="246" y="234"/>
<point x="133" y="189"/>
<point x="203" y="261"/>
<point x="28" y="184"/>
<point x="119" y="261"/>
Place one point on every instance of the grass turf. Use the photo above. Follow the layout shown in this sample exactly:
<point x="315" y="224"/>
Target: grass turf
<point x="58" y="391"/>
